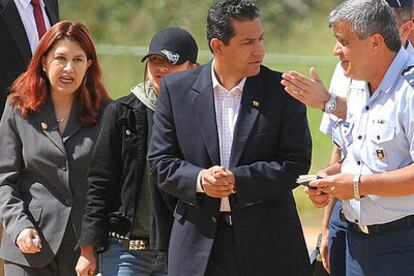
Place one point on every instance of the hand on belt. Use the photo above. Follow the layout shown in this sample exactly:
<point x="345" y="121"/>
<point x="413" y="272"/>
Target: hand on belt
<point x="134" y="245"/>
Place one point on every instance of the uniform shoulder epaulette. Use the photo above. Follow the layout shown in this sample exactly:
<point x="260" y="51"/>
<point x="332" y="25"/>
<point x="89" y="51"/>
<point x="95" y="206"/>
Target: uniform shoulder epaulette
<point x="408" y="74"/>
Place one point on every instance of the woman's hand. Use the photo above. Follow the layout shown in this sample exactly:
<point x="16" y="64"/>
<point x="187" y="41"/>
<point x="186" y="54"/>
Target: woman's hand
<point x="29" y="241"/>
<point x="86" y="265"/>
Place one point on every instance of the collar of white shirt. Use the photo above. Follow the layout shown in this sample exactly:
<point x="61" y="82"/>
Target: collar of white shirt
<point x="25" y="3"/>
<point x="216" y="83"/>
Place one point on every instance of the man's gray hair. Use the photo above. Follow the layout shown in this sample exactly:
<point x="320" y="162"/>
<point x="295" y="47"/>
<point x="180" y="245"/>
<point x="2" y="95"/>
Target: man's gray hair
<point x="368" y="17"/>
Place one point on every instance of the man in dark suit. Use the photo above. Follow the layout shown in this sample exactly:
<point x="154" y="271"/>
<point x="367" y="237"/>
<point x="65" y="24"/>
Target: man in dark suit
<point x="229" y="144"/>
<point x="15" y="47"/>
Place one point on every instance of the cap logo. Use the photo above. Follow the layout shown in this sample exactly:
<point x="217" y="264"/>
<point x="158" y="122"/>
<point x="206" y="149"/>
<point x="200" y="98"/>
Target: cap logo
<point x="172" y="58"/>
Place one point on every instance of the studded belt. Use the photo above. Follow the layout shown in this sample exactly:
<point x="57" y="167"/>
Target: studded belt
<point x="129" y="244"/>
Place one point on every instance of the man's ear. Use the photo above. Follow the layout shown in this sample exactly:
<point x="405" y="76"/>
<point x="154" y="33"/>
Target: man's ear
<point x="377" y="41"/>
<point x="216" y="45"/>
<point x="405" y="30"/>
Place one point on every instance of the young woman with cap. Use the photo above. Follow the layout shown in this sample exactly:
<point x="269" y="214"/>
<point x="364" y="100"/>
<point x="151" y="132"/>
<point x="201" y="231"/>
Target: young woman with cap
<point x="119" y="222"/>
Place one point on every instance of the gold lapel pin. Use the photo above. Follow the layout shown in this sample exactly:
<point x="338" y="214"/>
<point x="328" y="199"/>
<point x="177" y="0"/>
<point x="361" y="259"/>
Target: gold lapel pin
<point x="44" y="125"/>
<point x="256" y="103"/>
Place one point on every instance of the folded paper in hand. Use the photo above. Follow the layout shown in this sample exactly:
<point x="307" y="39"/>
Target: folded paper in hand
<point x="306" y="178"/>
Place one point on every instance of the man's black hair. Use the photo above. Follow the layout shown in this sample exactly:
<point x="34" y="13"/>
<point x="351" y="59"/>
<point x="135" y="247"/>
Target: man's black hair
<point x="221" y="15"/>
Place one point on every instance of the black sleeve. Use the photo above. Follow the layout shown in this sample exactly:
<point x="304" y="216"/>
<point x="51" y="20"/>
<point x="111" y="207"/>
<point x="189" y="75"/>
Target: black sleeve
<point x="104" y="181"/>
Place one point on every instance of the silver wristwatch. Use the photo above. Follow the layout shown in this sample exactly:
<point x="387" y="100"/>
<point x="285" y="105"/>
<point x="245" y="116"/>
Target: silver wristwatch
<point x="330" y="105"/>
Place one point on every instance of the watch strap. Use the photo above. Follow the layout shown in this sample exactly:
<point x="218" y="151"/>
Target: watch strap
<point x="355" y="184"/>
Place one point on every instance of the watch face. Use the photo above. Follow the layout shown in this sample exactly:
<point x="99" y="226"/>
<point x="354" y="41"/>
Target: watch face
<point x="330" y="105"/>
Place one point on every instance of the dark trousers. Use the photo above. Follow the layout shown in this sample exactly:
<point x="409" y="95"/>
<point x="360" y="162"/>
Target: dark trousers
<point x="384" y="254"/>
<point x="337" y="242"/>
<point x="62" y="265"/>
<point x="223" y="256"/>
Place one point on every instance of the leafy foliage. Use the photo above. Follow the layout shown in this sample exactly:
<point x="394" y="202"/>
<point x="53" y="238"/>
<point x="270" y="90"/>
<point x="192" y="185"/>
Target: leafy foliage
<point x="130" y="22"/>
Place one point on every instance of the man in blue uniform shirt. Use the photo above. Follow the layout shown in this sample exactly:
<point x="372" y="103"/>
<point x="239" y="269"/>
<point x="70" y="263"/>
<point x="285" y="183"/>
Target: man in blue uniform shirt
<point x="333" y="256"/>
<point x="376" y="180"/>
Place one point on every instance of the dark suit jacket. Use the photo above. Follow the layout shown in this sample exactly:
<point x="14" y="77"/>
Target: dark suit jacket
<point x="15" y="53"/>
<point x="43" y="180"/>
<point x="271" y="148"/>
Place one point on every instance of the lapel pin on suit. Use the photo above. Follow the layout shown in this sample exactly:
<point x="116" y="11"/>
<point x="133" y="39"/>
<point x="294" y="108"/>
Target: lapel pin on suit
<point x="44" y="125"/>
<point x="256" y="103"/>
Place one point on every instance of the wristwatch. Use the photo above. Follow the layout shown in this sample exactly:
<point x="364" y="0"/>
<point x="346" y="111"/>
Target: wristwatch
<point x="330" y="105"/>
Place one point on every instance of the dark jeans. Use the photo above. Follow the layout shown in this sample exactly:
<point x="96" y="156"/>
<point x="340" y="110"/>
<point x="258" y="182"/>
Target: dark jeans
<point x="385" y="254"/>
<point x="116" y="260"/>
<point x="337" y="242"/>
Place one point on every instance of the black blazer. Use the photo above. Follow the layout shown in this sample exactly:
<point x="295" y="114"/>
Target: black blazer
<point x="15" y="53"/>
<point x="271" y="147"/>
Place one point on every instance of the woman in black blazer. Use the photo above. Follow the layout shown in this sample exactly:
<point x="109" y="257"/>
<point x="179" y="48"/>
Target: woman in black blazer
<point x="48" y="131"/>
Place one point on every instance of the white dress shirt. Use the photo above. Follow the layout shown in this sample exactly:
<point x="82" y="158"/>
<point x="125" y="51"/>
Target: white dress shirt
<point x="26" y="14"/>
<point x="226" y="104"/>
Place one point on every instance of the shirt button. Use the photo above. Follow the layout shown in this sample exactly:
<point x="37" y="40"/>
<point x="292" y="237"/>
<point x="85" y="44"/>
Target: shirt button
<point x="213" y="219"/>
<point x="358" y="163"/>
<point x="63" y="169"/>
<point x="128" y="132"/>
<point x="359" y="137"/>
<point x="378" y="137"/>
<point x="367" y="108"/>
<point x="356" y="221"/>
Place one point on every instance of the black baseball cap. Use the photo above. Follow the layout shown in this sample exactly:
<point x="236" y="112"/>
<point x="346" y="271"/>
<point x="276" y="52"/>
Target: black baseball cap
<point x="400" y="3"/>
<point x="175" y="44"/>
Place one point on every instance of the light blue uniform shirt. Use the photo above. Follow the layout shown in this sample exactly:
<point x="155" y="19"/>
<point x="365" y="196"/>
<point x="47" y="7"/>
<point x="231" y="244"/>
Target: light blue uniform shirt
<point x="377" y="137"/>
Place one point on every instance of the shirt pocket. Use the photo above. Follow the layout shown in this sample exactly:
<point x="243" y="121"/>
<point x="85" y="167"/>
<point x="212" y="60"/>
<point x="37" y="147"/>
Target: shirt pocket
<point x="381" y="140"/>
